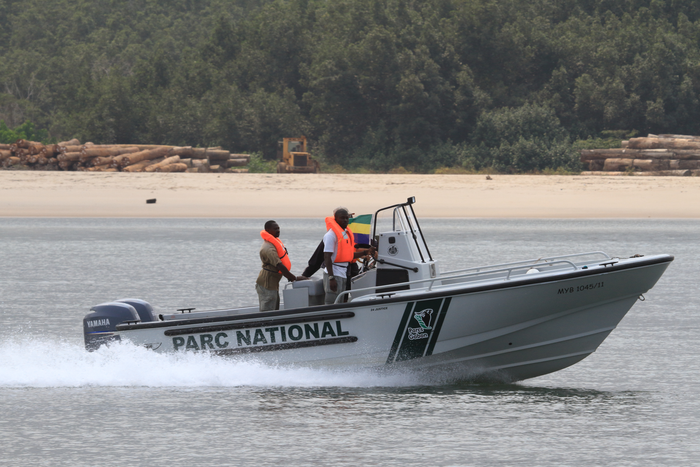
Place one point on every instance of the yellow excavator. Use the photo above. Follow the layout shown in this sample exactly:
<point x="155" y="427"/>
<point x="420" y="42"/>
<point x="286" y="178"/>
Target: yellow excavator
<point x="294" y="158"/>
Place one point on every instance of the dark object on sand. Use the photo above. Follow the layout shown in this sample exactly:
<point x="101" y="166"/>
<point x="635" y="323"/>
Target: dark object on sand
<point x="151" y="201"/>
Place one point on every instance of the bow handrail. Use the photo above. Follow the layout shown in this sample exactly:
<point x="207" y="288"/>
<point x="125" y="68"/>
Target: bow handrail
<point x="527" y="261"/>
<point x="432" y="280"/>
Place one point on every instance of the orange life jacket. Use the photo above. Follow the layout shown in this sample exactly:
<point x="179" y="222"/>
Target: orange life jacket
<point x="279" y="246"/>
<point x="345" y="247"/>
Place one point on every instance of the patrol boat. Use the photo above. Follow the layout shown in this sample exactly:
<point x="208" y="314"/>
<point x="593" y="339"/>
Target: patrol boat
<point x="506" y="321"/>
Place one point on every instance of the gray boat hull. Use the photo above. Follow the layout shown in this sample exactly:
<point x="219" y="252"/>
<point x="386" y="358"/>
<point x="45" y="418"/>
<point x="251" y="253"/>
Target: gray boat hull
<point x="506" y="328"/>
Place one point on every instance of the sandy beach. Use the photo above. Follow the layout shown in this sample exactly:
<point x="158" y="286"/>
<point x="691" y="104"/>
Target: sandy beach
<point x="94" y="194"/>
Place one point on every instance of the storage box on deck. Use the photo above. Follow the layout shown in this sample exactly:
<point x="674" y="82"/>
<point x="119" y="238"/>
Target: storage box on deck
<point x="304" y="293"/>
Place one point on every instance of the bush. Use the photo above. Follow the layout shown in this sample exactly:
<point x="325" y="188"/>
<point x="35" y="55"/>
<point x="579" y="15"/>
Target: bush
<point x="524" y="139"/>
<point x="607" y="139"/>
<point x="509" y="125"/>
<point x="24" y="131"/>
<point x="258" y="164"/>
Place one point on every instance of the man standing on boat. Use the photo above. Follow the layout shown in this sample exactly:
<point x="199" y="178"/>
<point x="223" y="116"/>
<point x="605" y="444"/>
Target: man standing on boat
<point x="338" y="251"/>
<point x="275" y="264"/>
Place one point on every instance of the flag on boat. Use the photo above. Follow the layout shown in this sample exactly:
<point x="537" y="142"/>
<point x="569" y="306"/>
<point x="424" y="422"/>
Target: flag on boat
<point x="361" y="227"/>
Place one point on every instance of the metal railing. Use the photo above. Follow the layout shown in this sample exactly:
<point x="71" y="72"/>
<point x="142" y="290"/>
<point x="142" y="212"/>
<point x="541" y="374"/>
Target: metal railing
<point x="409" y="224"/>
<point x="533" y="262"/>
<point x="506" y="268"/>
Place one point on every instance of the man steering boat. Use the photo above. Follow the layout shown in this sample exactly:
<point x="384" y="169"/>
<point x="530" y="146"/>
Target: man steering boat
<point x="338" y="251"/>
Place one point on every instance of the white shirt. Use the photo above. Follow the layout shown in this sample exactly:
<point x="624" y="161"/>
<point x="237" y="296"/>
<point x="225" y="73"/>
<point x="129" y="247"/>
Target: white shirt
<point x="330" y="243"/>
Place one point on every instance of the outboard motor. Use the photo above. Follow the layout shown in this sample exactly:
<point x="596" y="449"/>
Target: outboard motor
<point x="142" y="307"/>
<point x="100" y="324"/>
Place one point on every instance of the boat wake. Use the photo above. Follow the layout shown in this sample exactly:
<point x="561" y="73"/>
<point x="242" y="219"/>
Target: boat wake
<point x="38" y="363"/>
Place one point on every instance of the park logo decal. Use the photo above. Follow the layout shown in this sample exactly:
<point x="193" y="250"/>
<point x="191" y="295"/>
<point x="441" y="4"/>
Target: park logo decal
<point x="419" y="329"/>
<point x="423" y="318"/>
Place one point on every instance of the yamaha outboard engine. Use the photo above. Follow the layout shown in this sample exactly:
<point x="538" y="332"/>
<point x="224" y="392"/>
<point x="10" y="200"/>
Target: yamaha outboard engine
<point x="142" y="307"/>
<point x="100" y="324"/>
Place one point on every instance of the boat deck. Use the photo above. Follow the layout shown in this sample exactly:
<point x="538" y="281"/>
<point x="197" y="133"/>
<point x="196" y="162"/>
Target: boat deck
<point x="498" y="274"/>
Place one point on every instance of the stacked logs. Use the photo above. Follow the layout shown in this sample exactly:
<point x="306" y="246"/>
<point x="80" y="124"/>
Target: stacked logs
<point x="72" y="155"/>
<point x="675" y="155"/>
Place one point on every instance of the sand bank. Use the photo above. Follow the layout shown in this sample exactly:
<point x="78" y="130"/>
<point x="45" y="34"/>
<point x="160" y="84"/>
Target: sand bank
<point x="85" y="194"/>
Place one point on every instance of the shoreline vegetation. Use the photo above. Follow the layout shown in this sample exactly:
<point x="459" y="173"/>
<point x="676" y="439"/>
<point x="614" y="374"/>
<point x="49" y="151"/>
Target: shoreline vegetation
<point x="655" y="155"/>
<point x="501" y="86"/>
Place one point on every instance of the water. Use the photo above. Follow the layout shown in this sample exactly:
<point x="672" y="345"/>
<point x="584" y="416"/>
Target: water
<point x="633" y="402"/>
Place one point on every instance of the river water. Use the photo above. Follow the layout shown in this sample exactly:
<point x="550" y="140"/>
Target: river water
<point x="636" y="401"/>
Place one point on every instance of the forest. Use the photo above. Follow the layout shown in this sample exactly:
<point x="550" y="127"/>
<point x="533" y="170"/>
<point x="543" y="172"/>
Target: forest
<point x="509" y="86"/>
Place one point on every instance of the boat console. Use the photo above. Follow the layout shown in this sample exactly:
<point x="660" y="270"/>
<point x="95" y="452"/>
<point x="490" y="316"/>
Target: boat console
<point x="403" y="256"/>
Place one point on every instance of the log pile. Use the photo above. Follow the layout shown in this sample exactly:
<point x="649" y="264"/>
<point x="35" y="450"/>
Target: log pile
<point x="673" y="155"/>
<point x="74" y="156"/>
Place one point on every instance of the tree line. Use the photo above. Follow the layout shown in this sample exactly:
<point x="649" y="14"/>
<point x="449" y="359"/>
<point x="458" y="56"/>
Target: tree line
<point x="502" y="85"/>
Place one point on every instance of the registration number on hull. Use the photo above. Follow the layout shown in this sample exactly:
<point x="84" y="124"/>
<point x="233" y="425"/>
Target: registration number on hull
<point x="581" y="288"/>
